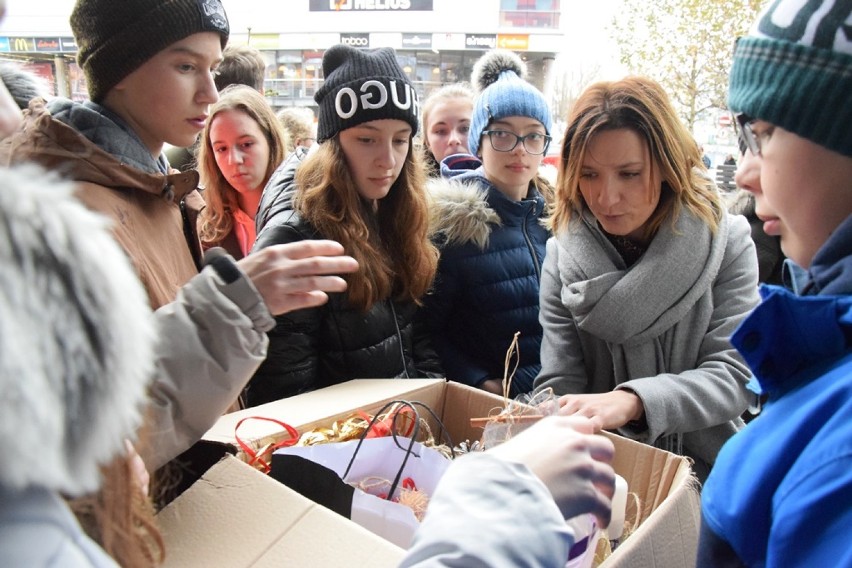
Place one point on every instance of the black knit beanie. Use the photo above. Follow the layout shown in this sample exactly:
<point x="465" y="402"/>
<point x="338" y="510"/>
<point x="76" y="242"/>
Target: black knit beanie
<point x="361" y="86"/>
<point x="116" y="37"/>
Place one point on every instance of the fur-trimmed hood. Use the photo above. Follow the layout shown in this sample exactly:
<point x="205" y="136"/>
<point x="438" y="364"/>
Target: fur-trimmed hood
<point x="459" y="212"/>
<point x="23" y="85"/>
<point x="467" y="207"/>
<point x="76" y="338"/>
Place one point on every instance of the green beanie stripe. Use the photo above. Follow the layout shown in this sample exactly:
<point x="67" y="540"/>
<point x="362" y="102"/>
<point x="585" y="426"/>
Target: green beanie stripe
<point x="791" y="85"/>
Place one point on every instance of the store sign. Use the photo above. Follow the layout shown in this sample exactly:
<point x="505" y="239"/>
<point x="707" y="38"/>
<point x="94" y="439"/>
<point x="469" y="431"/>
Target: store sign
<point x="38" y="44"/>
<point x="265" y="41"/>
<point x="480" y="41"/>
<point x="22" y="44"/>
<point x="514" y="42"/>
<point x="68" y="44"/>
<point x="371" y="5"/>
<point x="355" y="40"/>
<point x="417" y="41"/>
<point x="47" y="44"/>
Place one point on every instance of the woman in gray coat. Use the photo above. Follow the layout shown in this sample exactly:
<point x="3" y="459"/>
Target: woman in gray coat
<point x="645" y="279"/>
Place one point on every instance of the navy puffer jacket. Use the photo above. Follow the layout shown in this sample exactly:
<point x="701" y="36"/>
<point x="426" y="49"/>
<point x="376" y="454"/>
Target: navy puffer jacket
<point x="487" y="286"/>
<point x="318" y="347"/>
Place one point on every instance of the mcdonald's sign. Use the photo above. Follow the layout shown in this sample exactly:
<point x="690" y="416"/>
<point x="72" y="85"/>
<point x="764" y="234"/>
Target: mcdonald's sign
<point x="22" y="44"/>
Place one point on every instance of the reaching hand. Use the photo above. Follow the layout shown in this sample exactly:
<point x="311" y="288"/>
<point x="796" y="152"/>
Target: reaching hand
<point x="297" y="275"/>
<point x="607" y="411"/>
<point x="570" y="460"/>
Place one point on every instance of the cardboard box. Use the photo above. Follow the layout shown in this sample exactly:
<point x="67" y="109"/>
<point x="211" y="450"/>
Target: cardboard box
<point x="663" y="485"/>
<point x="454" y="403"/>
<point x="236" y="516"/>
<point x="669" y="503"/>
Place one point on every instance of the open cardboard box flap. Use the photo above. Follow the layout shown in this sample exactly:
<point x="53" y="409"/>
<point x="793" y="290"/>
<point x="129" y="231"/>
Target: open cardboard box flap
<point x="235" y="516"/>
<point x="666" y="493"/>
<point x="669" y="507"/>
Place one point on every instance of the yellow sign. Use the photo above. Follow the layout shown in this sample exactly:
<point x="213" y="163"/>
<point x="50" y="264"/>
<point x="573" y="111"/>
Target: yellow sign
<point x="265" y="41"/>
<point x="24" y="44"/>
<point x="514" y="42"/>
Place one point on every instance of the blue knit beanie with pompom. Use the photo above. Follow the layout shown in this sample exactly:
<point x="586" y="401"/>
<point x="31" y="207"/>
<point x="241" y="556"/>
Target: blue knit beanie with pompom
<point x="503" y="92"/>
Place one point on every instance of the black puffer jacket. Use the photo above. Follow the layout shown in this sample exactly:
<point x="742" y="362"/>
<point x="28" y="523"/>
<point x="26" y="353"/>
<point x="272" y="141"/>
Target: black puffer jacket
<point x="318" y="347"/>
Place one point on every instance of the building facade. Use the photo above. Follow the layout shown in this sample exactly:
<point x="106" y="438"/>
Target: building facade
<point x="436" y="41"/>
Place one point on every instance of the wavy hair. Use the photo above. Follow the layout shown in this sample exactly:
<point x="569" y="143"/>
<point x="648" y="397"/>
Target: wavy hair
<point x="216" y="219"/>
<point x="641" y="105"/>
<point x="394" y="254"/>
<point x="297" y="122"/>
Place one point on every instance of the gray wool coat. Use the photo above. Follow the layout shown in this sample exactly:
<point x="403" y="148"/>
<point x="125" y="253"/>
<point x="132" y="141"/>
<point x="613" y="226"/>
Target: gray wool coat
<point x="660" y="328"/>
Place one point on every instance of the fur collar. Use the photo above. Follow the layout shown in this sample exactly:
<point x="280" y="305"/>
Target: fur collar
<point x="459" y="212"/>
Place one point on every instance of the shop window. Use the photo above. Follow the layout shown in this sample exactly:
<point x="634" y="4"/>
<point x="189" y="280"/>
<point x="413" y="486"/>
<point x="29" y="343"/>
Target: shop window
<point x="530" y="13"/>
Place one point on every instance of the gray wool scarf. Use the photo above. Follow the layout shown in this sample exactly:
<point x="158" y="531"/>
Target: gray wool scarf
<point x="619" y="306"/>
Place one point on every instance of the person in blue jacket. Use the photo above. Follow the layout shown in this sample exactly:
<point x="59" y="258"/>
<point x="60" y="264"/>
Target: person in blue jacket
<point x="486" y="218"/>
<point x="780" y="493"/>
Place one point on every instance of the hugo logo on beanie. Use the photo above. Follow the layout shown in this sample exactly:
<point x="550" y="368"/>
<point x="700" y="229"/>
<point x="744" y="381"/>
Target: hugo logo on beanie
<point x="116" y="37"/>
<point x="360" y="86"/>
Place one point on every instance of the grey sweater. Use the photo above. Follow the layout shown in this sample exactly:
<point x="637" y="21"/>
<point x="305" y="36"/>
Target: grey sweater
<point x="660" y="328"/>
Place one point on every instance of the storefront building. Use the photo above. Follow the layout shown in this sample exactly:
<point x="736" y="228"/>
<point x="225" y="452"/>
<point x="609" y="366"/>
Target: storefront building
<point x="437" y="41"/>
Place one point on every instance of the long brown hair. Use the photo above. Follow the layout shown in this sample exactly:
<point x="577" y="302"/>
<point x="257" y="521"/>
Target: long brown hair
<point x="216" y="219"/>
<point x="120" y="518"/>
<point x="394" y="254"/>
<point x="641" y="105"/>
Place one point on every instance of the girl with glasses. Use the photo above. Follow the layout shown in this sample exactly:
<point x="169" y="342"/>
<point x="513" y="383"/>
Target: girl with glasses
<point x="487" y="223"/>
<point x="645" y="279"/>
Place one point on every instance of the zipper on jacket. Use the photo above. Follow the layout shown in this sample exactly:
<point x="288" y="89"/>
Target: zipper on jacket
<point x="399" y="337"/>
<point x="536" y="261"/>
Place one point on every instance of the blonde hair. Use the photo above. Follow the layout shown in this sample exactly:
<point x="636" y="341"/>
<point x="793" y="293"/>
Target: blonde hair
<point x="298" y="122"/>
<point x="216" y="219"/>
<point x="452" y="91"/>
<point x="395" y="256"/>
<point x="641" y="105"/>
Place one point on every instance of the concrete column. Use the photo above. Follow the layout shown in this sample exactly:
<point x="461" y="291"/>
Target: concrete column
<point x="63" y="85"/>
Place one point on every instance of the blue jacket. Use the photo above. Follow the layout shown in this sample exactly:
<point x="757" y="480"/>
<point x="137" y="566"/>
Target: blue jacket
<point x="780" y="493"/>
<point x="487" y="286"/>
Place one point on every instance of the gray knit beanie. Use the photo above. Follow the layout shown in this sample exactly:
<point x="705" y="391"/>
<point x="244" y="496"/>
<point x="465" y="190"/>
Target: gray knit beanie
<point x="116" y="37"/>
<point x="794" y="70"/>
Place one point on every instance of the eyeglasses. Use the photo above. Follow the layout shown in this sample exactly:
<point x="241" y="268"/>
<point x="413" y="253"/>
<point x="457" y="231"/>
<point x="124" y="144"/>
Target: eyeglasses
<point x="745" y="135"/>
<point x="504" y="141"/>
